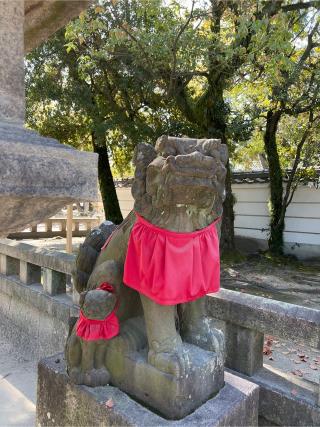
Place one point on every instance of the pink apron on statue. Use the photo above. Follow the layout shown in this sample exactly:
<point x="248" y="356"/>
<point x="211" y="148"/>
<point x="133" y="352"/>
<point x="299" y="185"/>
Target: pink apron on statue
<point x="171" y="267"/>
<point x="92" y="329"/>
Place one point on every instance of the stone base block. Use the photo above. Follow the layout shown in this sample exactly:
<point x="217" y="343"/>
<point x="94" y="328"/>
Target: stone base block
<point x="172" y="397"/>
<point x="62" y="403"/>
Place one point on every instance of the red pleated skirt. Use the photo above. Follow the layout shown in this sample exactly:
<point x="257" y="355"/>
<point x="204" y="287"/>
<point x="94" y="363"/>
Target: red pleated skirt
<point x="171" y="267"/>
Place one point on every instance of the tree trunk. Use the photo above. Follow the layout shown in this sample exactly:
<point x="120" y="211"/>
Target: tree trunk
<point x="227" y="242"/>
<point x="108" y="191"/>
<point x="216" y="118"/>
<point x="277" y="223"/>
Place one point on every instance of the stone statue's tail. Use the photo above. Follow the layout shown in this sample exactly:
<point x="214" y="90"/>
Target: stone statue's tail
<point x="88" y="254"/>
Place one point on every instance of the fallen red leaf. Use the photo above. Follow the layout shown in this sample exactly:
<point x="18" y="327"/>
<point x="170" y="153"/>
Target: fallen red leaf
<point x="267" y="350"/>
<point x="109" y="403"/>
<point x="314" y="367"/>
<point x="298" y="373"/>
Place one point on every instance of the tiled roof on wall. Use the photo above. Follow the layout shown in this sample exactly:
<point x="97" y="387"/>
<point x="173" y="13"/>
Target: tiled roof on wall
<point x="243" y="177"/>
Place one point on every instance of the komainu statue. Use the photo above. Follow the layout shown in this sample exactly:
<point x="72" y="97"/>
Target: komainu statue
<point x="143" y="325"/>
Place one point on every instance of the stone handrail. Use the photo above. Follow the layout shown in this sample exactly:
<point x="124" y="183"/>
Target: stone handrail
<point x="246" y="318"/>
<point x="264" y="315"/>
<point x="49" y="225"/>
<point x="35" y="265"/>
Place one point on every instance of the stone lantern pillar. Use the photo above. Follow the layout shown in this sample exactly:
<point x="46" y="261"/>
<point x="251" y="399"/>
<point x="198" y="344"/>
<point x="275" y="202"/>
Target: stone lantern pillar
<point x="12" y="105"/>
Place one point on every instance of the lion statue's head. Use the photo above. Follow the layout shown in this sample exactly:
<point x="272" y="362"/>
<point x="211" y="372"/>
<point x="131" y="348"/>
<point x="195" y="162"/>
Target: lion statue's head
<point x="179" y="183"/>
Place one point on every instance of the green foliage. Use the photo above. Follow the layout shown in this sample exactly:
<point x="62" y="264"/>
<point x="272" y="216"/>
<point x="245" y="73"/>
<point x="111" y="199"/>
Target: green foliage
<point x="125" y="72"/>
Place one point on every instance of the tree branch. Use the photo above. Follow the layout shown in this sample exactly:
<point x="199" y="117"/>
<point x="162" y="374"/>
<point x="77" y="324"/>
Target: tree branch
<point x="175" y="48"/>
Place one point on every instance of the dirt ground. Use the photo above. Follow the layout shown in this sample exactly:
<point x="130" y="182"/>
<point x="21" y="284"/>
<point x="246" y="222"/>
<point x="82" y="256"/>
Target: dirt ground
<point x="284" y="280"/>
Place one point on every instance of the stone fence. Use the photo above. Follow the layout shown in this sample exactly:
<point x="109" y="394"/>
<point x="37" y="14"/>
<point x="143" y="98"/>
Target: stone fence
<point x="36" y="302"/>
<point x="245" y="319"/>
<point x="36" y="297"/>
<point x="57" y="226"/>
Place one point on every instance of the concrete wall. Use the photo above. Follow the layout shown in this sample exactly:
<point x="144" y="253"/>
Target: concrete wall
<point x="302" y="232"/>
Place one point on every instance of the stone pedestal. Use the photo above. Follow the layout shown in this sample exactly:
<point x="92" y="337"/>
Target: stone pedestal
<point x="62" y="403"/>
<point x="172" y="397"/>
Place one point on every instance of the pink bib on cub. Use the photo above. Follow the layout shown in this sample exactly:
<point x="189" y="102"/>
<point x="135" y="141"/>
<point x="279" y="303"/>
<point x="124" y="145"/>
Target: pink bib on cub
<point x="171" y="267"/>
<point x="105" y="329"/>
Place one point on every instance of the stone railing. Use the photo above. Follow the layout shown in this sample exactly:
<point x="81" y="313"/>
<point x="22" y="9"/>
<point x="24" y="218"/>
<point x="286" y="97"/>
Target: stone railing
<point x="36" y="297"/>
<point x="57" y="226"/>
<point x="245" y="319"/>
<point x="38" y="266"/>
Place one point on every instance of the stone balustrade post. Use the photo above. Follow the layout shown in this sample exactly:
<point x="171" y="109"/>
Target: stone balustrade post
<point x="9" y="266"/>
<point x="63" y="224"/>
<point x="54" y="282"/>
<point x="49" y="225"/>
<point x="244" y="349"/>
<point x="29" y="273"/>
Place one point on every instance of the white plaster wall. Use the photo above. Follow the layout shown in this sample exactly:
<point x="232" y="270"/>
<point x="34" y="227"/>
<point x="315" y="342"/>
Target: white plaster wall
<point x="302" y="231"/>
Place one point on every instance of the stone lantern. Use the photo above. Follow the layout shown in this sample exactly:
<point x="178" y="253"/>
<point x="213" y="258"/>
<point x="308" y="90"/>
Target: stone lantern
<point x="38" y="176"/>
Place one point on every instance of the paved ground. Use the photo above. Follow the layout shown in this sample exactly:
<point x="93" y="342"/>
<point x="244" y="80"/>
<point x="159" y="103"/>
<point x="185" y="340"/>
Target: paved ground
<point x="18" y="379"/>
<point x="296" y="361"/>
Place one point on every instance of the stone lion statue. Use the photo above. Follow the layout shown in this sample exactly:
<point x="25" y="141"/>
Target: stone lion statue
<point x="178" y="188"/>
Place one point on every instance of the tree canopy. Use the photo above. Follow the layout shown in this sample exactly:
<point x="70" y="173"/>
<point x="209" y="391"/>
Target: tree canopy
<point x="245" y="71"/>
